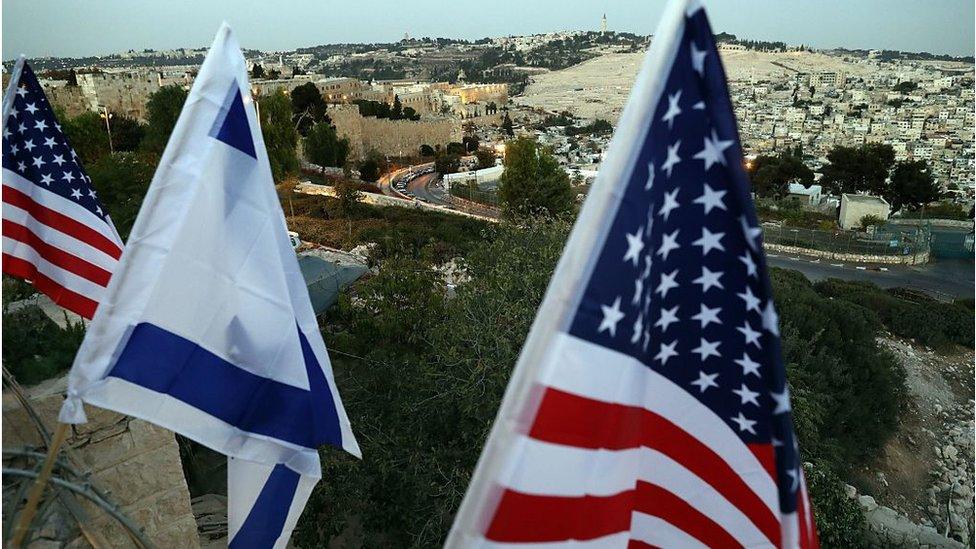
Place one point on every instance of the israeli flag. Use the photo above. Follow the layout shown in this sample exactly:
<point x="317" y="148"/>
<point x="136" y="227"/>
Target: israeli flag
<point x="207" y="328"/>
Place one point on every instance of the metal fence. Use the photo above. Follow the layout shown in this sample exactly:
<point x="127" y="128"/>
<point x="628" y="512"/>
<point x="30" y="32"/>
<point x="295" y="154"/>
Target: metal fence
<point x="883" y="240"/>
<point x="469" y="192"/>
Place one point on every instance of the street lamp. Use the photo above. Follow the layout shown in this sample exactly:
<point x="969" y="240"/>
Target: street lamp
<point x="108" y="127"/>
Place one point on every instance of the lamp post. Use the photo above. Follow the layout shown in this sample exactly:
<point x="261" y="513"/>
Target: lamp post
<point x="108" y="127"/>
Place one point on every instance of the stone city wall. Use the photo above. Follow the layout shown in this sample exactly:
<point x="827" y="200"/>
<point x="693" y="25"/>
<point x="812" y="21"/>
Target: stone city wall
<point x="910" y="259"/>
<point x="391" y="137"/>
<point x="136" y="464"/>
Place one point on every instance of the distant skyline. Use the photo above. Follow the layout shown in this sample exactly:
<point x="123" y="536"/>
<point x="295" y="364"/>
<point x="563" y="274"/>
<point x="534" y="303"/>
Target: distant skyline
<point x="66" y="28"/>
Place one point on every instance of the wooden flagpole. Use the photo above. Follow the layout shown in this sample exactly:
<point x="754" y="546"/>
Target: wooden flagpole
<point x="37" y="490"/>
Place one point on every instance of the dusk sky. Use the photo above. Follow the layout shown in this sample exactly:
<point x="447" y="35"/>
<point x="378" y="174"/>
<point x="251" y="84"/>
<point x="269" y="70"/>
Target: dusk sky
<point x="78" y="28"/>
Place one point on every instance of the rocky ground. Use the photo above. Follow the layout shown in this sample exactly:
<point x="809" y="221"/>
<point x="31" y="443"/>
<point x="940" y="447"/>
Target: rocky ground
<point x="925" y="473"/>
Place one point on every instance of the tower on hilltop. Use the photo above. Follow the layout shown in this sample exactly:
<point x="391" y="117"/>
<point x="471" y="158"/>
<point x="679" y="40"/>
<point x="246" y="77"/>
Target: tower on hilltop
<point x="603" y="24"/>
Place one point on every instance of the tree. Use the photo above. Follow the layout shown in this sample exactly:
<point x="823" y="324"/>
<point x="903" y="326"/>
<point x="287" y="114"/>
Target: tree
<point x="121" y="181"/>
<point x="507" y="125"/>
<point x="372" y="166"/>
<point x="396" y="112"/>
<point x="308" y="107"/>
<point x="257" y="71"/>
<point x="274" y="74"/>
<point x="533" y="182"/>
<point x="324" y="147"/>
<point x="853" y="169"/>
<point x="486" y="158"/>
<point x="88" y="136"/>
<point x="127" y="133"/>
<point x="906" y="86"/>
<point x="911" y="186"/>
<point x="280" y="137"/>
<point x="771" y="175"/>
<point x="470" y="143"/>
<point x="410" y="114"/>
<point x="162" y="110"/>
<point x="347" y="196"/>
<point x="426" y="150"/>
<point x="445" y="162"/>
<point x="456" y="148"/>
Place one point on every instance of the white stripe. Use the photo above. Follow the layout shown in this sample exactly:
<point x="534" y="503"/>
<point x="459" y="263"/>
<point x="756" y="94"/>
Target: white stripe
<point x="557" y="470"/>
<point x="58" y="203"/>
<point x="623" y="379"/>
<point x="245" y="481"/>
<point x="790" y="530"/>
<point x="65" y="278"/>
<point x="62" y="241"/>
<point x="660" y="533"/>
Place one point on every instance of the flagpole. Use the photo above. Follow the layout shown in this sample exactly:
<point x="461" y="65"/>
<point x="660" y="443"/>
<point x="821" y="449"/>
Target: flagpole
<point x="8" y="96"/>
<point x="30" y="509"/>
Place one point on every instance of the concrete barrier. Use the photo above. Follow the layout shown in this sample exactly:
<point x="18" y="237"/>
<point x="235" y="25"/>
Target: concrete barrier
<point x="910" y="259"/>
<point x="383" y="200"/>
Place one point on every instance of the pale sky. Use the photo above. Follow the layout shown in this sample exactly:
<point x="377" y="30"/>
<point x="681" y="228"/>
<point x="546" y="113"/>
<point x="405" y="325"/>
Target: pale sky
<point x="73" y="28"/>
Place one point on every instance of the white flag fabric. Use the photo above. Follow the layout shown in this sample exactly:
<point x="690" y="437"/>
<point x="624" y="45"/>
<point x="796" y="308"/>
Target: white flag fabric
<point x="207" y="328"/>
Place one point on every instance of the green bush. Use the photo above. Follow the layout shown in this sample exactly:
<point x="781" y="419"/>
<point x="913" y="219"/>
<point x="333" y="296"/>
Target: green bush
<point x="839" y="520"/>
<point x="35" y="348"/>
<point x="908" y="314"/>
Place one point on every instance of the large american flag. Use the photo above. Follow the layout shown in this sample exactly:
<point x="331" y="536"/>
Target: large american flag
<point x="650" y="406"/>
<point x="56" y="232"/>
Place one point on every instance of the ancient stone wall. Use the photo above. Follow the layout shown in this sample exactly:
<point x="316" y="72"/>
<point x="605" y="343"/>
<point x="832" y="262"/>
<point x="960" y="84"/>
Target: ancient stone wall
<point x="135" y="462"/>
<point x="69" y="98"/>
<point x="391" y="137"/>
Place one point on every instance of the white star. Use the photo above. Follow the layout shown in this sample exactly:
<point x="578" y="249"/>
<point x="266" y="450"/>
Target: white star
<point x="611" y="316"/>
<point x="699" y="106"/>
<point x="673" y="109"/>
<point x="705" y="381"/>
<point x="21" y="90"/>
<point x="46" y="179"/>
<point x="748" y="396"/>
<point x="749" y="366"/>
<point x="647" y="266"/>
<point x="751" y="233"/>
<point x="634" y="246"/>
<point x="698" y="59"/>
<point x="713" y="150"/>
<point x="752" y="302"/>
<point x="711" y="199"/>
<point x="670" y="203"/>
<point x="667" y="318"/>
<point x="68" y="176"/>
<point x="14" y="149"/>
<point x="744" y="423"/>
<point x="672" y="158"/>
<point x="795" y="475"/>
<point x="668" y="242"/>
<point x="76" y="193"/>
<point x="49" y="142"/>
<point x="666" y="352"/>
<point x="98" y="209"/>
<point x="707" y="315"/>
<point x="647" y="338"/>
<point x="29" y="145"/>
<point x="650" y="176"/>
<point x="21" y="166"/>
<point x="638" y="329"/>
<point x="752" y="336"/>
<point x="6" y="133"/>
<point x="708" y="279"/>
<point x="91" y="193"/>
<point x="667" y="283"/>
<point x="709" y="241"/>
<point x="746" y="260"/>
<point x="40" y="125"/>
<point x="32" y="108"/>
<point x="38" y="161"/>
<point x="770" y="320"/>
<point x="650" y="220"/>
<point x="638" y="291"/>
<point x="782" y="401"/>
<point x="707" y="348"/>
<point x="58" y="159"/>
<point x="21" y="128"/>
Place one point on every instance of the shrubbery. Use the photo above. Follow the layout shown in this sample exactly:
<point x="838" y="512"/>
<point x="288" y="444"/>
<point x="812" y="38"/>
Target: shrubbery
<point x="930" y="322"/>
<point x="35" y="348"/>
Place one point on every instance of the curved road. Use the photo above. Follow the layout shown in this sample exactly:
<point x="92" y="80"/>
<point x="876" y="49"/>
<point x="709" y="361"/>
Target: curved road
<point x="944" y="279"/>
<point x="421" y="187"/>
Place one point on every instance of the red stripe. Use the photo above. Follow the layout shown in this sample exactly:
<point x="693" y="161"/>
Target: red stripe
<point x="568" y="419"/>
<point x="766" y="455"/>
<point x="531" y="518"/>
<point x="637" y="544"/>
<point x="64" y="297"/>
<point x="56" y="256"/>
<point x="61" y="222"/>
<point x="656" y="501"/>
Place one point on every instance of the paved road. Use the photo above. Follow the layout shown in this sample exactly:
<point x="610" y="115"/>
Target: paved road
<point x="421" y="187"/>
<point x="944" y="279"/>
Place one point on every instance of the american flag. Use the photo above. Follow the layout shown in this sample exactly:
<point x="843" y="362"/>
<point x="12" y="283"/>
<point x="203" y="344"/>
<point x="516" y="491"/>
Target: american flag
<point x="56" y="232"/>
<point x="650" y="406"/>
